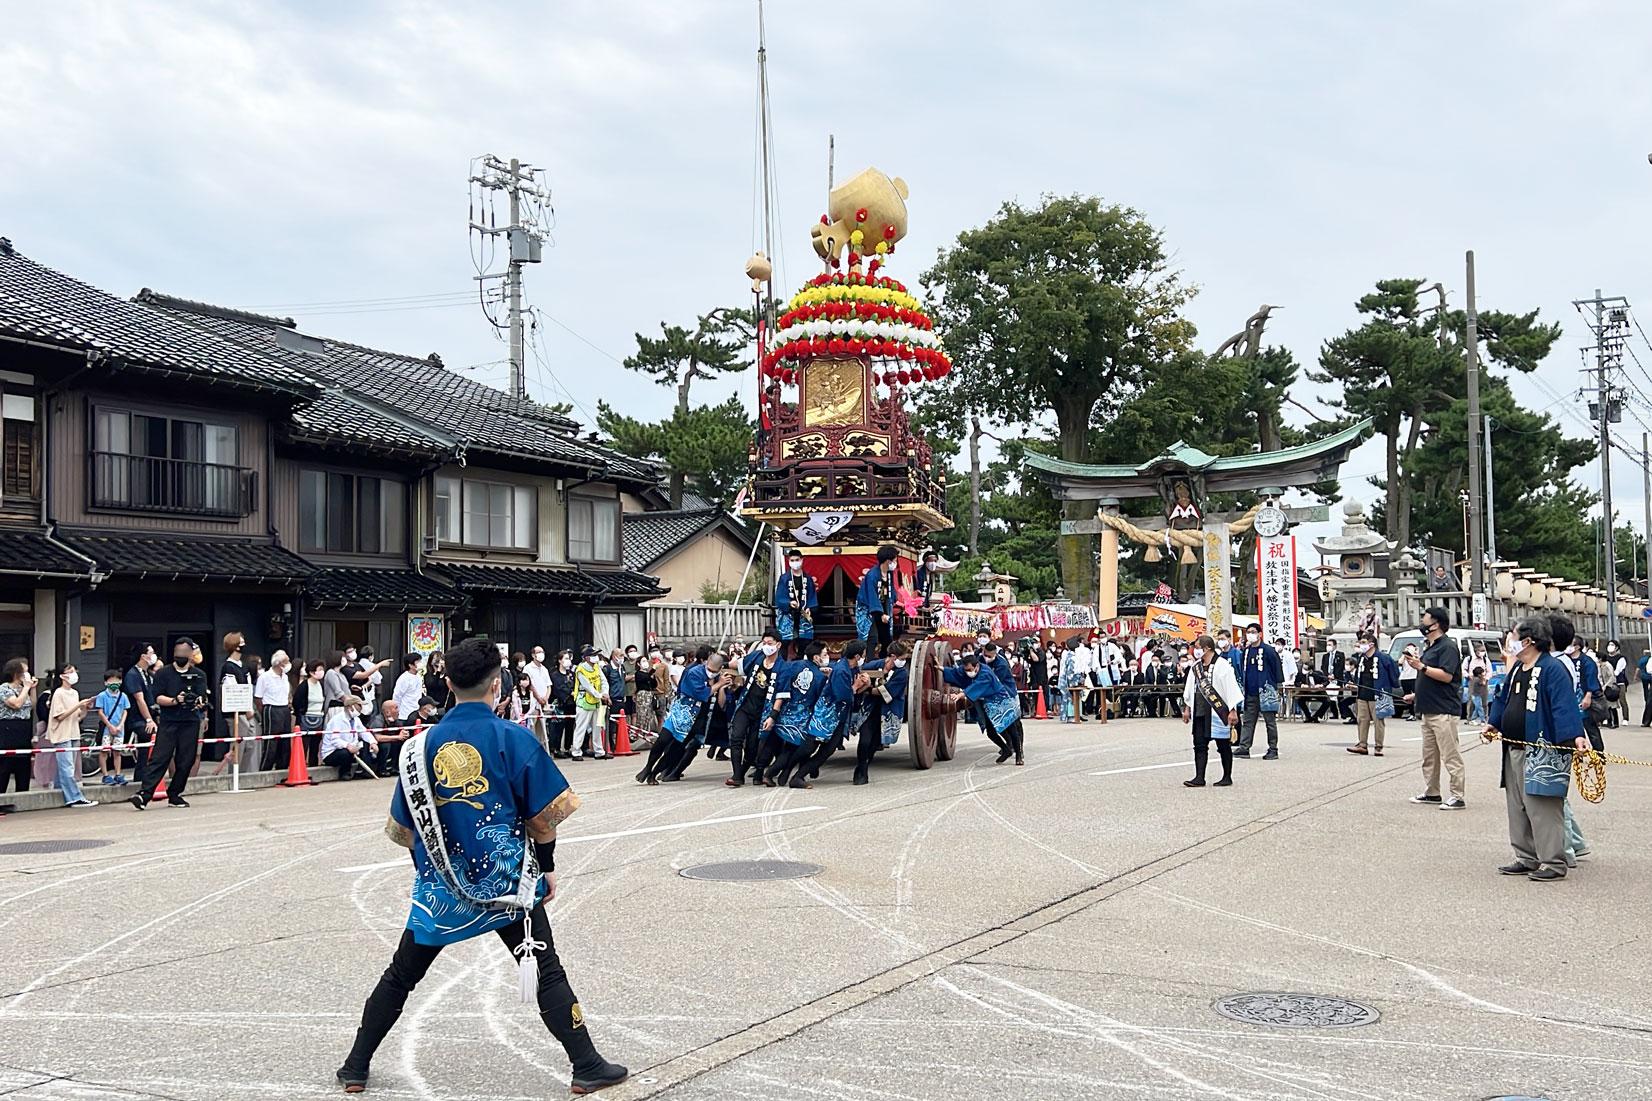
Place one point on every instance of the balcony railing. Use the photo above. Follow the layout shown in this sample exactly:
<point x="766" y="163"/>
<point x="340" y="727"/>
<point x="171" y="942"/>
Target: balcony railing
<point x="691" y="624"/>
<point x="179" y="486"/>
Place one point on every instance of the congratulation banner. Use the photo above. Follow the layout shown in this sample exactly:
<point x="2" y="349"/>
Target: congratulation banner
<point x="1276" y="588"/>
<point x="1218" y="579"/>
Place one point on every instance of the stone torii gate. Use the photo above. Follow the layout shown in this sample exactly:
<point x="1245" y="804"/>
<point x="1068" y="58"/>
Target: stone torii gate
<point x="1183" y="477"/>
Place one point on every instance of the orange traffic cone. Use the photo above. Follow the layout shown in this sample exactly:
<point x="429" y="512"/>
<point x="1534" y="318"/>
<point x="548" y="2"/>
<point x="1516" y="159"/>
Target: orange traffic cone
<point x="1039" y="709"/>
<point x="622" y="736"/>
<point x="160" y="790"/>
<point x="298" y="773"/>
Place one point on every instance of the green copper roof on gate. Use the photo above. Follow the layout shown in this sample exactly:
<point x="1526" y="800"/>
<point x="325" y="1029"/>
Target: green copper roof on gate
<point x="1299" y="465"/>
<point x="1183" y="455"/>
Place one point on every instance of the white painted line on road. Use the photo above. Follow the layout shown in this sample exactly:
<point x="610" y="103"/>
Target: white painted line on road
<point x="1140" y="768"/>
<point x="625" y="833"/>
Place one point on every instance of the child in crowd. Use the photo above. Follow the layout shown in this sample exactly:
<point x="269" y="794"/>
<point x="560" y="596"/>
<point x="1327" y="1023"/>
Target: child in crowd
<point x="111" y="707"/>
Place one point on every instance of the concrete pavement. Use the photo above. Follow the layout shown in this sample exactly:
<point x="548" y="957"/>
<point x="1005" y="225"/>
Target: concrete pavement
<point x="1058" y="930"/>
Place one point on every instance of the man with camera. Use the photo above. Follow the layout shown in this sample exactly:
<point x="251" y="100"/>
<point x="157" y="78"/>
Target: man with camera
<point x="181" y="696"/>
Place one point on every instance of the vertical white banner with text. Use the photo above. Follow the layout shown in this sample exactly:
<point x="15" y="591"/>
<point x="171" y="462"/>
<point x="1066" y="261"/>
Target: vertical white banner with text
<point x="1218" y="579"/>
<point x="1276" y="588"/>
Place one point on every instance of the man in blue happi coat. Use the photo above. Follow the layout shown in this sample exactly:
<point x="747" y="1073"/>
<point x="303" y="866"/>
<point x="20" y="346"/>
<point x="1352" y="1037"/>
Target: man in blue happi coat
<point x="478" y="804"/>
<point x="994" y="701"/>
<point x="795" y="601"/>
<point x="875" y="602"/>
<point x="798" y="686"/>
<point x="1537" y="716"/>
<point x="882" y="728"/>
<point x="687" y="720"/>
<point x="753" y="707"/>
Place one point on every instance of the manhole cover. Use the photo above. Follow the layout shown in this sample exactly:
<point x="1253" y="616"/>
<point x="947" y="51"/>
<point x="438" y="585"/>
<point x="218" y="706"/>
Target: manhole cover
<point x="1296" y="1011"/>
<point x="55" y="845"/>
<point x="752" y="871"/>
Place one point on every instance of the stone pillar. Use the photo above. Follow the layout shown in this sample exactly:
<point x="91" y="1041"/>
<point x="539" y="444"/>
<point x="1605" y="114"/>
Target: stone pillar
<point x="1107" y="575"/>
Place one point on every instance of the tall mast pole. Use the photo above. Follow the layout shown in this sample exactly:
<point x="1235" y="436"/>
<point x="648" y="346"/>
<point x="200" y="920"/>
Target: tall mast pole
<point x="1471" y="347"/>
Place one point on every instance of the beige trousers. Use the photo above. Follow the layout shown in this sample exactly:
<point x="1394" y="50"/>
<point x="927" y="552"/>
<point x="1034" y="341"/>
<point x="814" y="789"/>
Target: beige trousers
<point x="1440" y="745"/>
<point x="1365" y="714"/>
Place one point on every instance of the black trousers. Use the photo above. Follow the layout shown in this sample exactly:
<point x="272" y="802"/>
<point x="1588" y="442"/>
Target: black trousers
<point x="1646" y="712"/>
<point x="16" y="769"/>
<point x="558" y="1007"/>
<point x="745" y="733"/>
<point x="277" y="720"/>
<point x="175" y="745"/>
<point x="344" y="761"/>
<point x="1201" y="748"/>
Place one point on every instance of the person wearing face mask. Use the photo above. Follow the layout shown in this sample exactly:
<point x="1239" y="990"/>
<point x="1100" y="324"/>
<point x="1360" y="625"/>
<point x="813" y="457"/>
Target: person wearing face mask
<point x="799" y="685"/>
<point x="883" y="728"/>
<point x="1408" y="684"/>
<point x="478" y="804"/>
<point x="66" y="709"/>
<point x="1262" y="678"/>
<point x="559" y="733"/>
<point x="1436" y="700"/>
<point x="845" y="704"/>
<point x="1290" y="664"/>
<point x="590" y="695"/>
<point x="688" y="720"/>
<point x="1643" y="670"/>
<point x="181" y="693"/>
<point x="1374" y="676"/>
<point x="539" y="681"/>
<point x="1585" y="673"/>
<point x="1537" y="717"/>
<point x="795" y="600"/>
<point x="1211" y="699"/>
<point x="993" y="701"/>
<point x="1479" y="682"/>
<point x="1616" y="667"/>
<point x="875" y="602"/>
<point x="753" y="707"/>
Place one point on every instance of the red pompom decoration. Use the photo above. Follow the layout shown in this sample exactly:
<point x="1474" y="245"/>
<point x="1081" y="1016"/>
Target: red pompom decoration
<point x="834" y="345"/>
<point x="825" y="221"/>
<point x="904" y="376"/>
<point x="888" y="233"/>
<point x="860" y="215"/>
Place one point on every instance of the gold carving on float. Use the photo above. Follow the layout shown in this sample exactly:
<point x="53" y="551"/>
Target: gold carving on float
<point x="811" y="446"/>
<point x="834" y="392"/>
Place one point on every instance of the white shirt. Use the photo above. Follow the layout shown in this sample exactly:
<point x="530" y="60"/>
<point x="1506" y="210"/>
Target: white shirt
<point x="370" y="690"/>
<point x="1083" y="660"/>
<point x="409" y="689"/>
<point x="1288" y="664"/>
<point x="343" y="731"/>
<point x="274" y="689"/>
<point x="540" y="678"/>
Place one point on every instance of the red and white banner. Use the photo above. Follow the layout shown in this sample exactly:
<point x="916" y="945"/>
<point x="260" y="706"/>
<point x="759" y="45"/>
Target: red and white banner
<point x="1276" y="588"/>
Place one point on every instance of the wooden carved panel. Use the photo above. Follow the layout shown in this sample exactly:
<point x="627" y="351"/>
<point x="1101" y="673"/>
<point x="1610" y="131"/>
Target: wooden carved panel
<point x="834" y="392"/>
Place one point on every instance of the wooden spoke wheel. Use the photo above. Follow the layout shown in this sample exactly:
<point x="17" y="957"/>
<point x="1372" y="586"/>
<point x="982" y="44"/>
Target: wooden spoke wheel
<point x="931" y="705"/>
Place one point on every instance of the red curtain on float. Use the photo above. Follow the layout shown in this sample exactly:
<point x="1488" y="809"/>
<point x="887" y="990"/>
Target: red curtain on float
<point x="820" y="567"/>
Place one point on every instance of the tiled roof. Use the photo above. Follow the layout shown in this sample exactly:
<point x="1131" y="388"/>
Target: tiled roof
<point x="628" y="584"/>
<point x="38" y="303"/>
<point x="423" y="392"/>
<point x="648" y="537"/>
<point x="336" y="417"/>
<point x="566" y="581"/>
<point x="194" y="559"/>
<point x="32" y="554"/>
<point x="354" y="587"/>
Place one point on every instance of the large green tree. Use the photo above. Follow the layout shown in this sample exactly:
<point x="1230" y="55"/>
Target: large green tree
<point x="704" y="446"/>
<point x="1404" y="368"/>
<point x="1065" y="308"/>
<point x="720" y="342"/>
<point x="1540" y="513"/>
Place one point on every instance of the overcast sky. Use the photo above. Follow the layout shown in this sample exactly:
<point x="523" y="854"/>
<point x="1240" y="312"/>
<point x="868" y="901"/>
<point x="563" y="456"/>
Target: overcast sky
<point x="275" y="155"/>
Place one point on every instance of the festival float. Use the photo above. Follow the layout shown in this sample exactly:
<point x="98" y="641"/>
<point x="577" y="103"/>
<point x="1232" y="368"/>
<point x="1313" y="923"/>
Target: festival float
<point x="837" y="469"/>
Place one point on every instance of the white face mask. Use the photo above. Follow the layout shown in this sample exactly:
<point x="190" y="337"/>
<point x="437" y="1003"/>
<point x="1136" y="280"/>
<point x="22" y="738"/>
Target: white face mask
<point x="1253" y="639"/>
<point x="539" y="657"/>
<point x="796" y="564"/>
<point x="349" y="655"/>
<point x="71" y="678"/>
<point x="770" y="649"/>
<point x="900" y="663"/>
<point x="1365" y="647"/>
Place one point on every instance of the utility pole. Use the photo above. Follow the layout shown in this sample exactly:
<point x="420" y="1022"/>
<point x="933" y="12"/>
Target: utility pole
<point x="1491" y="500"/>
<point x="1609" y="321"/>
<point x="1646" y="491"/>
<point x="524" y="242"/>
<point x="1471" y="347"/>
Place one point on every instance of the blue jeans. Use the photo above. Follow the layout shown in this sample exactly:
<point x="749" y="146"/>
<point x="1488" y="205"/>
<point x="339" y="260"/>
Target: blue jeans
<point x="68" y="771"/>
<point x="1574" y="833"/>
<point x="1477" y="708"/>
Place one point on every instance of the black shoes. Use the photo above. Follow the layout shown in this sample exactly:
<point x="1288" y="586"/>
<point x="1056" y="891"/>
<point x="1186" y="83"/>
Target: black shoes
<point x="1005" y="754"/>
<point x="600" y="1076"/>
<point x="1516" y="868"/>
<point x="352" y="1081"/>
<point x="138" y="801"/>
<point x="178" y="802"/>
<point x="1545" y="875"/>
<point x="1224" y="782"/>
<point x="1193" y="783"/>
<point x="1242" y="753"/>
<point x="1270" y="755"/>
<point x="1425" y="799"/>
